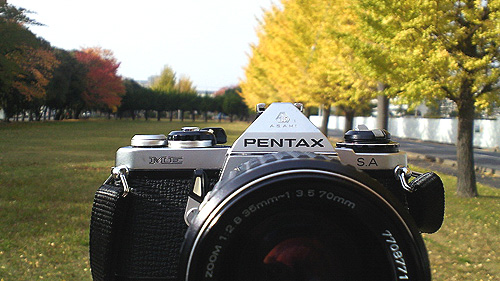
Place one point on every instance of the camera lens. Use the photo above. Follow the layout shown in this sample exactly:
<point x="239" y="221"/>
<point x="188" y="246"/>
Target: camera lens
<point x="303" y="219"/>
<point x="306" y="244"/>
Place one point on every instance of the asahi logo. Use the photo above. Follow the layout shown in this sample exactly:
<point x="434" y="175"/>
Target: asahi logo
<point x="163" y="160"/>
<point x="283" y="118"/>
<point x="283" y="121"/>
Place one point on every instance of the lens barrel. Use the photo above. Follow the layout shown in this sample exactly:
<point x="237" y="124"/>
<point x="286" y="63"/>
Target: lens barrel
<point x="301" y="216"/>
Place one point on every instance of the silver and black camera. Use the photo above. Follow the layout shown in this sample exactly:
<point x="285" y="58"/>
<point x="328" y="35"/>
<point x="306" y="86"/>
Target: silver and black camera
<point x="279" y="204"/>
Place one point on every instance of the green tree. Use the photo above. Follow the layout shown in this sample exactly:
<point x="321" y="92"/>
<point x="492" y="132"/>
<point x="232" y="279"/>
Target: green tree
<point x="172" y="103"/>
<point x="217" y="106"/>
<point x="136" y="98"/>
<point x="207" y="103"/>
<point x="428" y="50"/>
<point x="159" y="101"/>
<point x="64" y="91"/>
<point x="233" y="104"/>
<point x="173" y="93"/>
<point x="188" y="96"/>
<point x="16" y="14"/>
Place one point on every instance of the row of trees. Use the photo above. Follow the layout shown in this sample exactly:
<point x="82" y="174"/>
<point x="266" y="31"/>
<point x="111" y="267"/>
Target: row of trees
<point x="171" y="93"/>
<point x="36" y="78"/>
<point x="160" y="102"/>
<point x="344" y="53"/>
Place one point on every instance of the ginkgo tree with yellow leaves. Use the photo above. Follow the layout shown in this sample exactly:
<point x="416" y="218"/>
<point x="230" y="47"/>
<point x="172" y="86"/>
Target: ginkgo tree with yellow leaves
<point x="428" y="50"/>
<point x="299" y="57"/>
<point x="273" y="70"/>
<point x="325" y="52"/>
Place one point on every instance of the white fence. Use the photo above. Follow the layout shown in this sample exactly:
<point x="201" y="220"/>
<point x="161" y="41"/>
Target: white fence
<point x="486" y="132"/>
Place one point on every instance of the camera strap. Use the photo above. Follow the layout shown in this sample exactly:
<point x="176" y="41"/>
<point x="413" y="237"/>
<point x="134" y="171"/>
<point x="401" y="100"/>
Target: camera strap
<point x="108" y="214"/>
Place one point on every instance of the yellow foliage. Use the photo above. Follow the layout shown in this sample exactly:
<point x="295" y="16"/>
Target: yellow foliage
<point x="300" y="57"/>
<point x="438" y="48"/>
<point x="333" y="52"/>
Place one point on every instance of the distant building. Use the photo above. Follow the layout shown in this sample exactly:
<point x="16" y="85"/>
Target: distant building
<point x="144" y="83"/>
<point x="443" y="108"/>
<point x="205" y="93"/>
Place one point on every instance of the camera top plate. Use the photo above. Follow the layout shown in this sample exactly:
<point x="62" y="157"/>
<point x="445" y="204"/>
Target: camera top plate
<point x="282" y="127"/>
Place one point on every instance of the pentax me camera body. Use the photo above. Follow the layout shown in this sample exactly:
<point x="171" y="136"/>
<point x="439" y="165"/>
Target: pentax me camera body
<point x="279" y="204"/>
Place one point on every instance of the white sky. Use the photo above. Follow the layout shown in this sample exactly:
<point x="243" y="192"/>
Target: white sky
<point x="208" y="40"/>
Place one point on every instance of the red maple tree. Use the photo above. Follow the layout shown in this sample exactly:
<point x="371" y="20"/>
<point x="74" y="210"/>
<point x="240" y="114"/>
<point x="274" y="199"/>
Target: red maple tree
<point x="104" y="87"/>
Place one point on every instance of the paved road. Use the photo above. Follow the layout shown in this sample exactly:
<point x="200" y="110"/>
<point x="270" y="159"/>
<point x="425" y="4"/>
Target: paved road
<point x="442" y="158"/>
<point x="488" y="161"/>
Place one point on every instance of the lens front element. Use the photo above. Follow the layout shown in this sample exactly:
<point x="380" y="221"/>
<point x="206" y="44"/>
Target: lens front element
<point x="302" y="224"/>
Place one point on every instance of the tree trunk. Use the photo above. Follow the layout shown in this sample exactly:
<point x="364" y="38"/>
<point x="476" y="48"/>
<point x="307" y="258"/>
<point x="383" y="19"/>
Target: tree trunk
<point x="466" y="179"/>
<point x="158" y="115"/>
<point x="349" y="119"/>
<point x="324" y="120"/>
<point x="307" y="112"/>
<point x="382" y="109"/>
<point x="59" y="114"/>
<point x="45" y="113"/>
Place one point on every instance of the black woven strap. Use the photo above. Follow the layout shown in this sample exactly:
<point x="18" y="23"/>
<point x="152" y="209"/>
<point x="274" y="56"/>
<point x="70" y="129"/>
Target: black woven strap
<point x="108" y="214"/>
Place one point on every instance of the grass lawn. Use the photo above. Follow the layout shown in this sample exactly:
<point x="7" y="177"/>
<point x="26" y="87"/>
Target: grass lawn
<point x="50" y="171"/>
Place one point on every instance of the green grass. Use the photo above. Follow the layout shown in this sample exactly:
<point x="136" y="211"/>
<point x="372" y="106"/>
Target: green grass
<point x="48" y="175"/>
<point x="467" y="246"/>
<point x="50" y="171"/>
